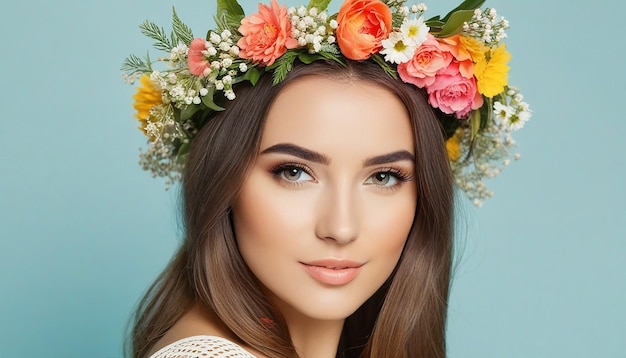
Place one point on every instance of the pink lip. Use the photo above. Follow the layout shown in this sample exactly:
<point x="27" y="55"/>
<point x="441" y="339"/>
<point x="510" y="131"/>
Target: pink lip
<point x="333" y="272"/>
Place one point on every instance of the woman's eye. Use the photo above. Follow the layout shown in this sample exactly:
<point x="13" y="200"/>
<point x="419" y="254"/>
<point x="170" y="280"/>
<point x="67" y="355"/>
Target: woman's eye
<point x="385" y="179"/>
<point x="294" y="174"/>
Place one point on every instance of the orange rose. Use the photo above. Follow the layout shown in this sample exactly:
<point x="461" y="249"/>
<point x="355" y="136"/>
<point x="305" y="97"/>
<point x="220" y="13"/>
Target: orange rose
<point x="362" y="25"/>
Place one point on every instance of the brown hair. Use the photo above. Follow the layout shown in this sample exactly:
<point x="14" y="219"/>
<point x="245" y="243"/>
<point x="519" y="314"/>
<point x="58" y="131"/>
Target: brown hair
<point x="407" y="315"/>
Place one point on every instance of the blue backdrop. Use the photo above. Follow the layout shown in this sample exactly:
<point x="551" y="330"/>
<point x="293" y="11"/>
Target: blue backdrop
<point x="83" y="230"/>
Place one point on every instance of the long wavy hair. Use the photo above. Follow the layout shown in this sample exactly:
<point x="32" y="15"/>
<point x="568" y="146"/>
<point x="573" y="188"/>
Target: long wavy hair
<point x="405" y="318"/>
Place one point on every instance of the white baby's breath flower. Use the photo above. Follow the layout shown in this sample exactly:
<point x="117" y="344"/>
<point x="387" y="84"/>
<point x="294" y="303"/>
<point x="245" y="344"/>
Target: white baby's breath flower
<point x="224" y="46"/>
<point x="226" y="34"/>
<point x="219" y="85"/>
<point x="196" y="100"/>
<point x="331" y="39"/>
<point x="397" y="48"/>
<point x="211" y="51"/>
<point x="313" y="11"/>
<point x="203" y="92"/>
<point x="227" y="62"/>
<point x="230" y="94"/>
<point x="243" y="67"/>
<point x="215" y="38"/>
<point x="302" y="11"/>
<point x="415" y="31"/>
<point x="333" y="24"/>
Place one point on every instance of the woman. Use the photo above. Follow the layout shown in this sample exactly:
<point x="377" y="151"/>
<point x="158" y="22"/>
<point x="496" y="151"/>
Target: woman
<point x="318" y="205"/>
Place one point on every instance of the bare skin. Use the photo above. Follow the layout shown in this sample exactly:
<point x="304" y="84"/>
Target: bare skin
<point x="337" y="179"/>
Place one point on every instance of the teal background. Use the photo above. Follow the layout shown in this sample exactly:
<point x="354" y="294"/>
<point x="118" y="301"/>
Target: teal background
<point x="83" y="230"/>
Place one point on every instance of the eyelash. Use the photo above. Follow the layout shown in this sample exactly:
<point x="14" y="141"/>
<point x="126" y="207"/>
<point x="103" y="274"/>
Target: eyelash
<point x="278" y="170"/>
<point x="400" y="175"/>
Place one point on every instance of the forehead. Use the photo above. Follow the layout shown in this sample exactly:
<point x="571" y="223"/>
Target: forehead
<point x="328" y="115"/>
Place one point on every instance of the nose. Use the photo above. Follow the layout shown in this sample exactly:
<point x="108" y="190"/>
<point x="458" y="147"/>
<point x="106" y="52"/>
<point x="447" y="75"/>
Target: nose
<point x="338" y="216"/>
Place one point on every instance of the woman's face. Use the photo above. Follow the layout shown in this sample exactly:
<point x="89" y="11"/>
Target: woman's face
<point x="326" y="209"/>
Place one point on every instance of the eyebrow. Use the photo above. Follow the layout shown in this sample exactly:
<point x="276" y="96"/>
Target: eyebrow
<point x="389" y="158"/>
<point x="297" y="151"/>
<point x="306" y="154"/>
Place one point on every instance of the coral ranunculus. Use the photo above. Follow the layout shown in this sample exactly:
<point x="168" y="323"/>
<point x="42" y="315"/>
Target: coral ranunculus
<point x="428" y="60"/>
<point x="453" y="93"/>
<point x="266" y="34"/>
<point x="492" y="75"/>
<point x="362" y="26"/>
<point x="196" y="60"/>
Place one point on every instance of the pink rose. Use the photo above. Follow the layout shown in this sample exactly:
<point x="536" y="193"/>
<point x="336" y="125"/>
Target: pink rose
<point x="453" y="93"/>
<point x="196" y="60"/>
<point x="429" y="59"/>
<point x="266" y="34"/>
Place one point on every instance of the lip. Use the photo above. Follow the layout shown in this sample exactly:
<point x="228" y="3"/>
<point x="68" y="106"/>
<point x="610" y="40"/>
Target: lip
<point x="333" y="272"/>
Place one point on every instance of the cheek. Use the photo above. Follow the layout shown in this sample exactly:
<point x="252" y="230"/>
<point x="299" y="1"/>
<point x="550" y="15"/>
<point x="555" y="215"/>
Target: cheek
<point x="268" y="219"/>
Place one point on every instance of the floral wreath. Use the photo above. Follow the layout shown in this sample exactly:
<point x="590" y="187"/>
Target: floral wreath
<point x="458" y="59"/>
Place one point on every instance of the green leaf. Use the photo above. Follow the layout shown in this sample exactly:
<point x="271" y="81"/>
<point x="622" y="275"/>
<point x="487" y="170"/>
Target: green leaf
<point x="208" y="100"/>
<point x="183" y="149"/>
<point x="320" y="5"/>
<point x="455" y="23"/>
<point x="308" y="58"/>
<point x="182" y="32"/>
<point x="474" y="122"/>
<point x="253" y="74"/>
<point x="189" y="111"/>
<point x="465" y="5"/>
<point x="231" y="7"/>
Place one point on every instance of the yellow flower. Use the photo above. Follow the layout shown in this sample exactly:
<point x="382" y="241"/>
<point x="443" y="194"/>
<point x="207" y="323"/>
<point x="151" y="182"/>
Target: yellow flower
<point x="453" y="145"/>
<point x="491" y="75"/>
<point x="147" y="97"/>
<point x="475" y="48"/>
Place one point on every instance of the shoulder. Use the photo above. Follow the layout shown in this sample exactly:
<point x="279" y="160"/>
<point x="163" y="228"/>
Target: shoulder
<point x="199" y="346"/>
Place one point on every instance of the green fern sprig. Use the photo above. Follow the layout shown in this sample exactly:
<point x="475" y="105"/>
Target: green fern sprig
<point x="385" y="66"/>
<point x="153" y="31"/>
<point x="182" y="32"/>
<point x="283" y="65"/>
<point x="135" y="64"/>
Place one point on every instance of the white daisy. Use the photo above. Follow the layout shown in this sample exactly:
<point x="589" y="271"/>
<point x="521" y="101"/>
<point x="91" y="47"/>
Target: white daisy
<point x="397" y="48"/>
<point x="502" y="111"/>
<point x="518" y="120"/>
<point x="415" y="30"/>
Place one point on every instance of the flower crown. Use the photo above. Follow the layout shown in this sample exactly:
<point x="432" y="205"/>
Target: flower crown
<point x="457" y="59"/>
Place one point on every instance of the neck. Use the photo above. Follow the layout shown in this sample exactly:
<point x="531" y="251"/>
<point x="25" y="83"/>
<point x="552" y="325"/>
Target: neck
<point x="313" y="338"/>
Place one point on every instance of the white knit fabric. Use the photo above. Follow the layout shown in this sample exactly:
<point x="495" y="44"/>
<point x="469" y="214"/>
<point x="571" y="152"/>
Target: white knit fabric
<point x="202" y="347"/>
